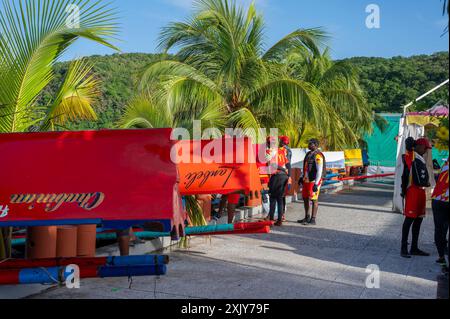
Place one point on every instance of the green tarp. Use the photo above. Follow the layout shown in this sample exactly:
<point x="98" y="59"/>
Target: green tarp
<point x="383" y="146"/>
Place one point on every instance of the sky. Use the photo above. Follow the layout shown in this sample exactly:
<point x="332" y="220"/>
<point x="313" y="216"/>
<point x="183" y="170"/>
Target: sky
<point x="407" y="27"/>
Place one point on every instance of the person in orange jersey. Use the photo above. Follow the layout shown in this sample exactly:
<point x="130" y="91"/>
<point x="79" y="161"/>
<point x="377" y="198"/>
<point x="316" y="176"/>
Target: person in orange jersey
<point x="415" y="180"/>
<point x="440" y="213"/>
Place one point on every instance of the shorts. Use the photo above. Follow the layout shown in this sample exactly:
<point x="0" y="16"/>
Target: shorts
<point x="415" y="202"/>
<point x="308" y="192"/>
<point x="234" y="199"/>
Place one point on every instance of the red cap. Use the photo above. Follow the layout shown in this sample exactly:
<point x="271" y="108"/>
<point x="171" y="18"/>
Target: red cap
<point x="285" y="140"/>
<point x="424" y="142"/>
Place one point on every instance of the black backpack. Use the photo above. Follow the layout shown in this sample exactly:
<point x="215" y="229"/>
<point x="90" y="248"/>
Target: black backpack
<point x="420" y="174"/>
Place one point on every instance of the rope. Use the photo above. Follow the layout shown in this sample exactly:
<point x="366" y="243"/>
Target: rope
<point x="55" y="281"/>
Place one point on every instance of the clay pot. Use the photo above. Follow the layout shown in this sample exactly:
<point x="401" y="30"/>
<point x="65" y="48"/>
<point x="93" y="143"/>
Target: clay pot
<point x="41" y="242"/>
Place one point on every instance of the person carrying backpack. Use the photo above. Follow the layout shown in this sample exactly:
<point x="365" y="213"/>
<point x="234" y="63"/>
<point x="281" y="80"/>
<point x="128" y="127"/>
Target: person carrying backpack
<point x="415" y="180"/>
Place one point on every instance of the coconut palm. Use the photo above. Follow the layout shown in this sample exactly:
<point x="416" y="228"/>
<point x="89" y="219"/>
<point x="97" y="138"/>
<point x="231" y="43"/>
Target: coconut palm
<point x="221" y="61"/>
<point x="338" y="85"/>
<point x="33" y="36"/>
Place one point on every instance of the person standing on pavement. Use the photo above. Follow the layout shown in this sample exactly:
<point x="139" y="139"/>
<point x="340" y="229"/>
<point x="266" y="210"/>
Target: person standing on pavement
<point x="415" y="180"/>
<point x="284" y="145"/>
<point x="314" y="171"/>
<point x="440" y="213"/>
<point x="277" y="188"/>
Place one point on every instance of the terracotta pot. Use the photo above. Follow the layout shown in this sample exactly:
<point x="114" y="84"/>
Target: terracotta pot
<point x="66" y="243"/>
<point x="86" y="240"/>
<point x="41" y="242"/>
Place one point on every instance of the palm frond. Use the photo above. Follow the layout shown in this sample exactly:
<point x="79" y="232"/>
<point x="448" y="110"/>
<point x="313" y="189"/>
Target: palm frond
<point x="33" y="36"/>
<point x="75" y="98"/>
<point x="312" y="39"/>
<point x="289" y="98"/>
<point x="143" y="112"/>
<point x="246" y="120"/>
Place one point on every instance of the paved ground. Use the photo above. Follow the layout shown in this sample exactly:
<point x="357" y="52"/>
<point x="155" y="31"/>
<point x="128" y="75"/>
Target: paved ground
<point x="355" y="229"/>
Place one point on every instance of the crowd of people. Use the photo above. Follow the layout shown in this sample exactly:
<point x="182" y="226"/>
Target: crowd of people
<point x="278" y="181"/>
<point x="415" y="181"/>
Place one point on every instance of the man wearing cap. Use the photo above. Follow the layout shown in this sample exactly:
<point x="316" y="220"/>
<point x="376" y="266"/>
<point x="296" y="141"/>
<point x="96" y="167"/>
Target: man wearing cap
<point x="286" y="150"/>
<point x="415" y="180"/>
<point x="314" y="171"/>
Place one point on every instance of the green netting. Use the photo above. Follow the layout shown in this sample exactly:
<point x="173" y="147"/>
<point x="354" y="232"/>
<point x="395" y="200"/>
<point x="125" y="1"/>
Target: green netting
<point x="383" y="146"/>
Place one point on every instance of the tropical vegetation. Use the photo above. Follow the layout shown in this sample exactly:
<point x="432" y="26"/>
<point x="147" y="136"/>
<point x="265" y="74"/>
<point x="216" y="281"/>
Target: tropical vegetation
<point x="222" y="74"/>
<point x="387" y="83"/>
<point x="33" y="36"/>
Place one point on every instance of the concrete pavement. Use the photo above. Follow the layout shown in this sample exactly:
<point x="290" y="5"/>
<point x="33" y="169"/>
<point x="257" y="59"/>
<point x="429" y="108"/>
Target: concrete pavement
<point x="355" y="229"/>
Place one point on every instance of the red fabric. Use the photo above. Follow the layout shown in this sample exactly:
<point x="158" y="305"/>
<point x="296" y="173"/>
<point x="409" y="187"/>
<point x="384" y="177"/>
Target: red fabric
<point x="424" y="142"/>
<point x="282" y="157"/>
<point x="415" y="202"/>
<point x="308" y="191"/>
<point x="285" y="140"/>
<point x="234" y="199"/>
<point x="110" y="175"/>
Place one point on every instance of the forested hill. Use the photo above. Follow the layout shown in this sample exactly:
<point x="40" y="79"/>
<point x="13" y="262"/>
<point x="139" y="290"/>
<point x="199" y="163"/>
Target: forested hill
<point x="388" y="83"/>
<point x="391" y="83"/>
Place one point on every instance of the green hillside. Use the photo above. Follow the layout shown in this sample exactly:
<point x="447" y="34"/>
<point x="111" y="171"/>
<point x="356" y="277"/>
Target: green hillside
<point x="391" y="83"/>
<point x="388" y="83"/>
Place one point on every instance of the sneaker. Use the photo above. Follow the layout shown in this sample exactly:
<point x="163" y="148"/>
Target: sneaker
<point x="418" y="252"/>
<point x="312" y="222"/>
<point x="279" y="224"/>
<point x="303" y="221"/>
<point x="445" y="270"/>
<point x="404" y="253"/>
<point x="441" y="261"/>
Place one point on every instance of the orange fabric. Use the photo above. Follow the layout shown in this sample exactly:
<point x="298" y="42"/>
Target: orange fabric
<point x="441" y="190"/>
<point x="282" y="157"/>
<point x="202" y="177"/>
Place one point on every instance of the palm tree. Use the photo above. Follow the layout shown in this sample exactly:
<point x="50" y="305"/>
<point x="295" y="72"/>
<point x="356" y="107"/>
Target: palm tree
<point x="338" y="84"/>
<point x="33" y="36"/>
<point x="223" y="71"/>
<point x="221" y="62"/>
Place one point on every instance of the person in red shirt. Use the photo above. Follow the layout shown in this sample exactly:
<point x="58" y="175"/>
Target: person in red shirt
<point x="415" y="180"/>
<point x="440" y="213"/>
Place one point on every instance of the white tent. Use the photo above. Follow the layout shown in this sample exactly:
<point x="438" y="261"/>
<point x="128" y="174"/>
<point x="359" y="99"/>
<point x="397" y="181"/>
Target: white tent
<point x="411" y="127"/>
